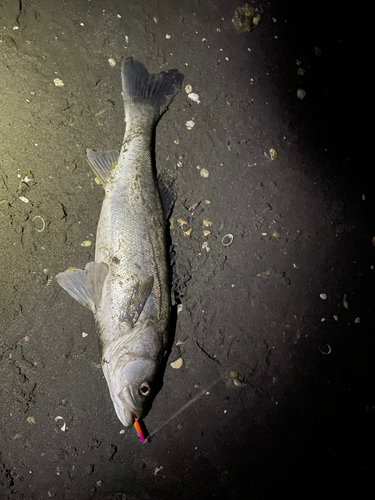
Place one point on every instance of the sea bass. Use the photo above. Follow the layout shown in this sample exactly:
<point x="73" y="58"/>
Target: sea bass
<point x="127" y="287"/>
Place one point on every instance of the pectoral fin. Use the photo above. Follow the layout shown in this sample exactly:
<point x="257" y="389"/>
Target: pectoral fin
<point x="136" y="300"/>
<point x="73" y="281"/>
<point x="95" y="275"/>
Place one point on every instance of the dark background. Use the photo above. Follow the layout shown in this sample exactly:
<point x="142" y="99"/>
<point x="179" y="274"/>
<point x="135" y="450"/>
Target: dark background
<point x="302" y="422"/>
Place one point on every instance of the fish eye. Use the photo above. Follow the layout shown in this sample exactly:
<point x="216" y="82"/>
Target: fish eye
<point x="144" y="389"/>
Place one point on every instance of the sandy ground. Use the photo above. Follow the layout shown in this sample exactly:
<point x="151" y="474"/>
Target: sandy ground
<point x="289" y="304"/>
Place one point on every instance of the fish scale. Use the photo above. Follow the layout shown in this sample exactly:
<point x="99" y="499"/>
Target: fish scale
<point x="135" y="241"/>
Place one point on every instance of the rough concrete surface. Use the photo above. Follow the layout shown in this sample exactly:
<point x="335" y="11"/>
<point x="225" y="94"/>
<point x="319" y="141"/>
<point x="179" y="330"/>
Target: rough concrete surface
<point x="289" y="304"/>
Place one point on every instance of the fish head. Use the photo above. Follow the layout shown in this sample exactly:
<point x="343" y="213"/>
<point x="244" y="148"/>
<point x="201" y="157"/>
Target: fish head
<point x="132" y="386"/>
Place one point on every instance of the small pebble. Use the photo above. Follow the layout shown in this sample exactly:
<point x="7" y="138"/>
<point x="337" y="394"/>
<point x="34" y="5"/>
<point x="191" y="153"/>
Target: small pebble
<point x="357" y="320"/>
<point x="194" y="97"/>
<point x="318" y="51"/>
<point x="345" y="302"/>
<point x="177" y="364"/>
<point x="205" y="246"/>
<point x="181" y="222"/>
<point x="301" y="94"/>
<point x="273" y="154"/>
<point x="238" y="382"/>
<point x="58" y="82"/>
<point x="323" y="296"/>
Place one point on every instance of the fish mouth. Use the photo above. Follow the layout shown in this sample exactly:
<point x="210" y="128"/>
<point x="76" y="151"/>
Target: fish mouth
<point x="127" y="417"/>
<point x="125" y="407"/>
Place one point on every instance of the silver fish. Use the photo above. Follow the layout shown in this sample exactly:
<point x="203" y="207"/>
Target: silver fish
<point x="127" y="287"/>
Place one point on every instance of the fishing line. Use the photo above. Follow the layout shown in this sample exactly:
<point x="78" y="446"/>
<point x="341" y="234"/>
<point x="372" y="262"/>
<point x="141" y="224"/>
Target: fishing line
<point x="183" y="408"/>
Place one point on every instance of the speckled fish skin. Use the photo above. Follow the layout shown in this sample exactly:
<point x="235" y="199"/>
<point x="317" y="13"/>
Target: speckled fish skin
<point x="131" y="242"/>
<point x="131" y="234"/>
<point x="128" y="285"/>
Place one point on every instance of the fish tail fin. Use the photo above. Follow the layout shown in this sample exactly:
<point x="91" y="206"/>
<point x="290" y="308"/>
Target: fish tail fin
<point x="142" y="89"/>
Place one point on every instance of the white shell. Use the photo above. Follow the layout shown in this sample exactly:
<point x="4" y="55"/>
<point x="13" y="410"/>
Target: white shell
<point x="227" y="240"/>
<point x="43" y="223"/>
